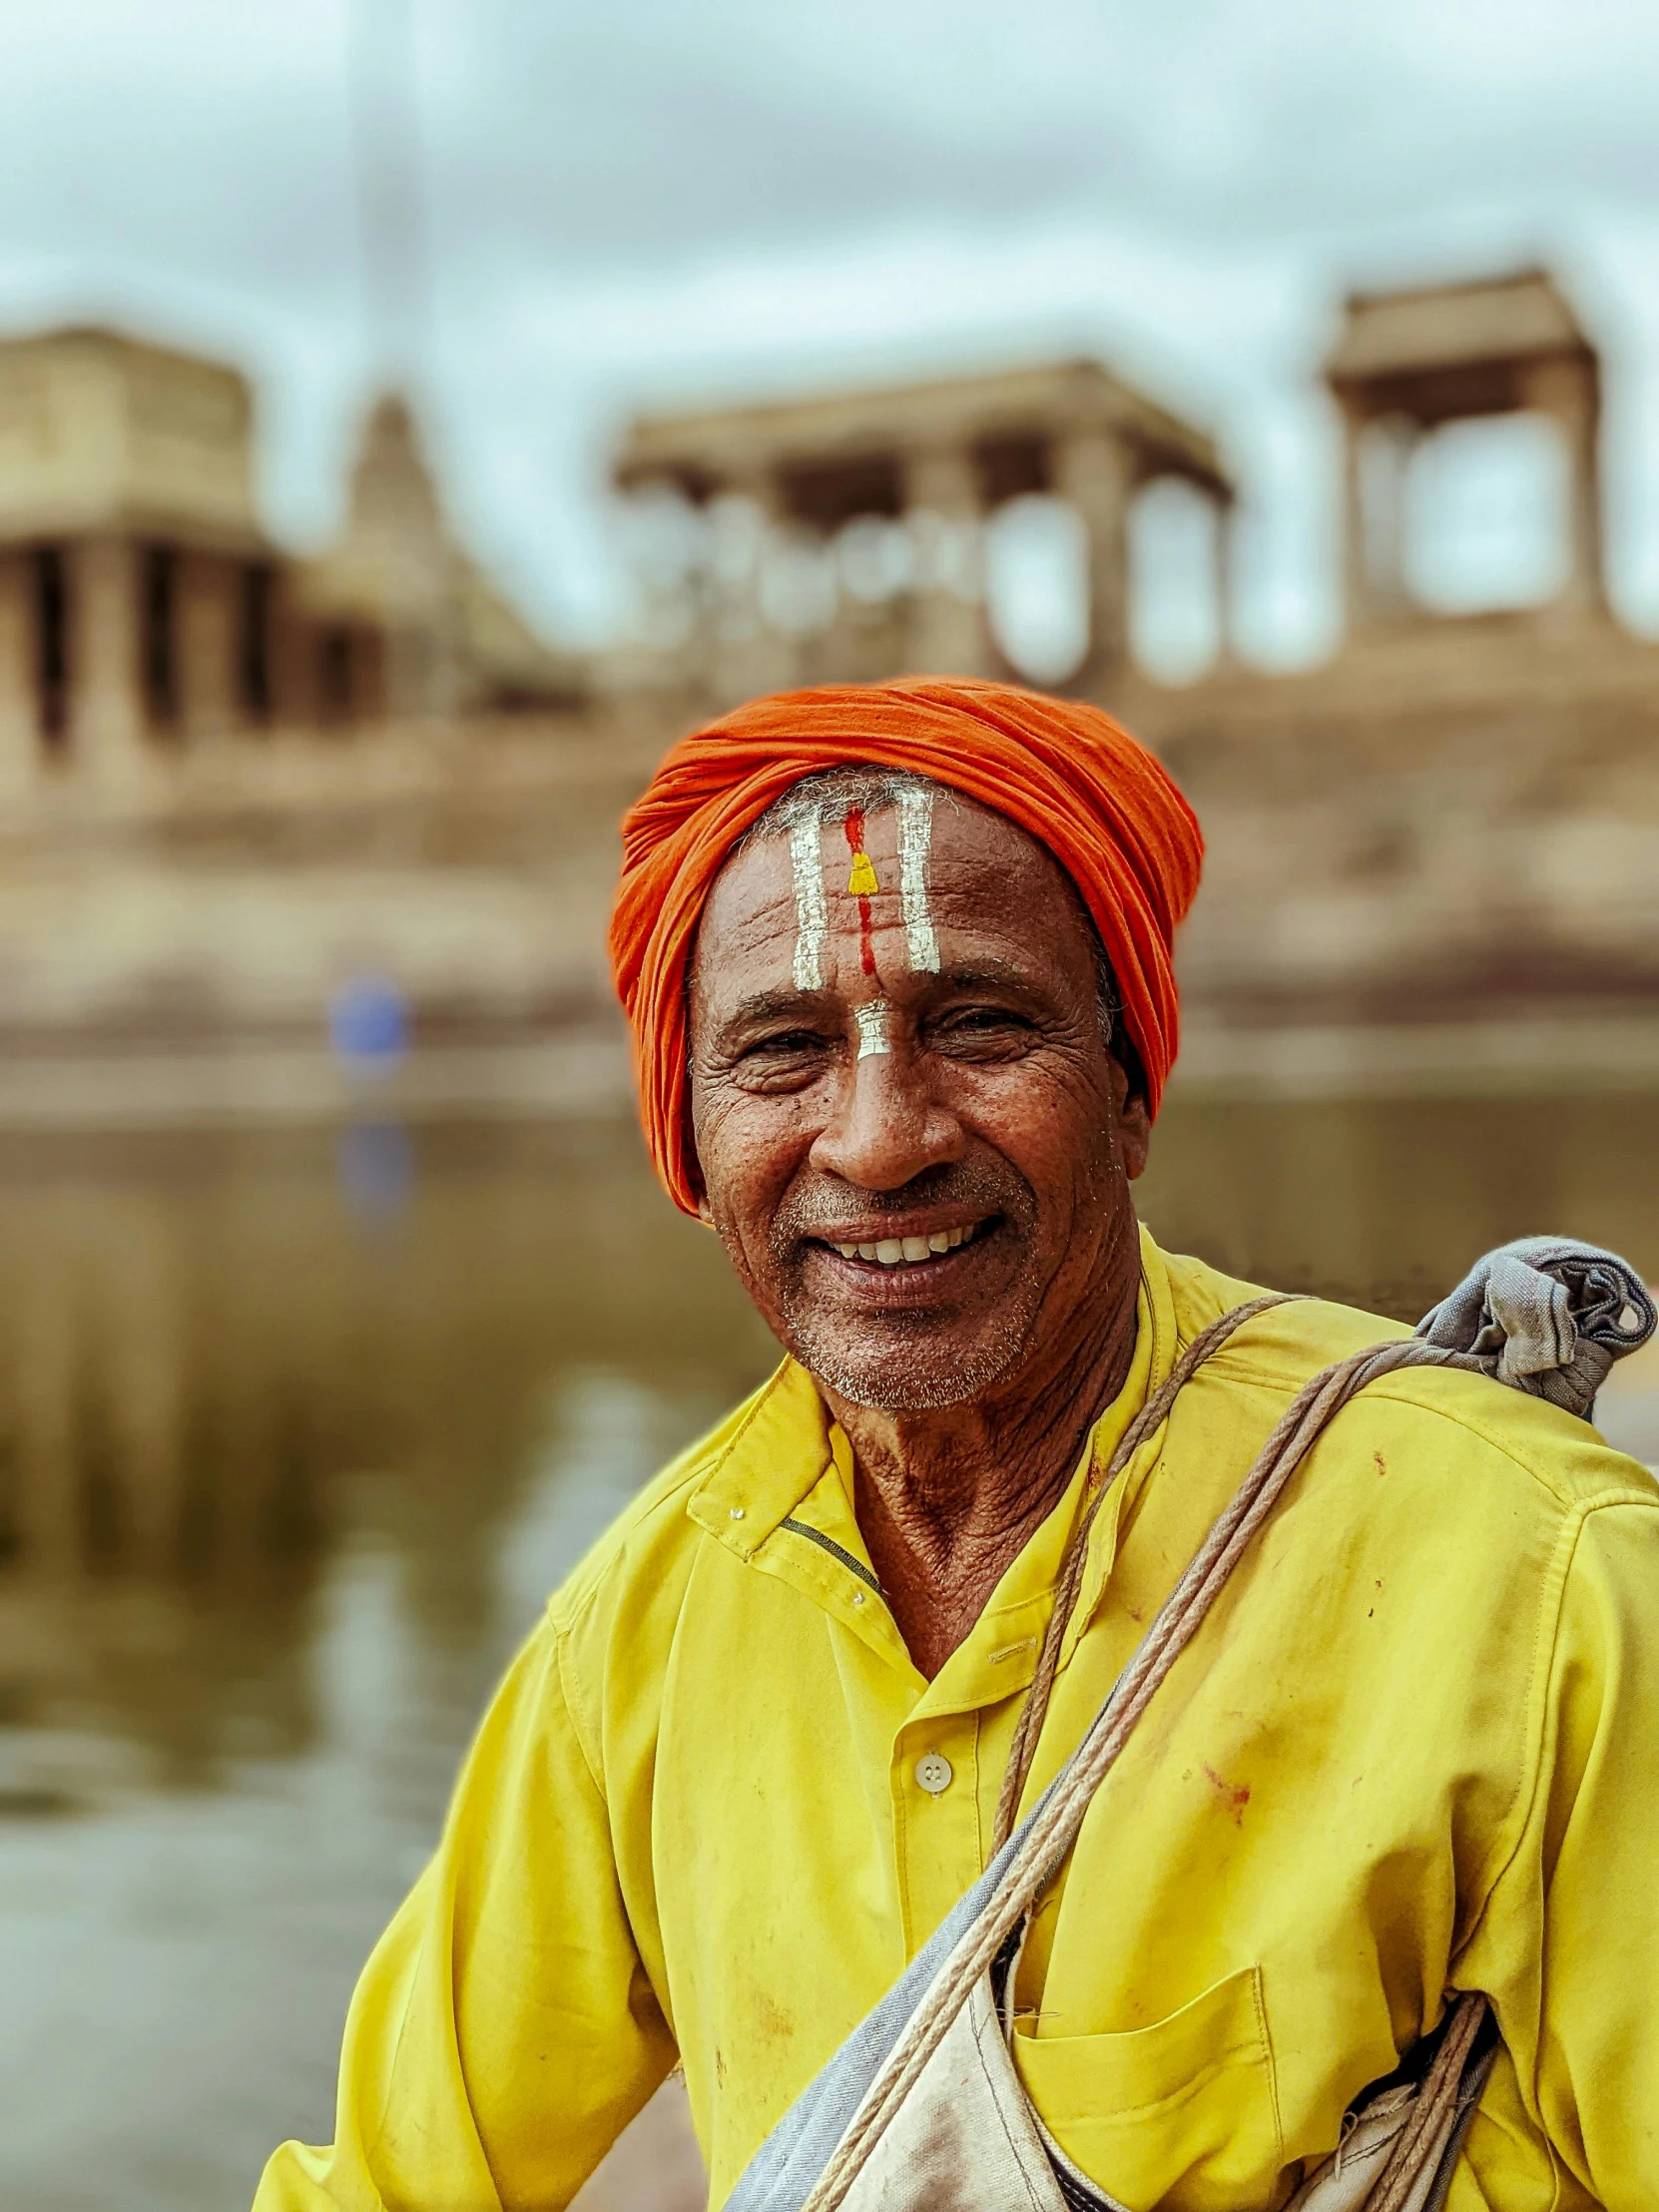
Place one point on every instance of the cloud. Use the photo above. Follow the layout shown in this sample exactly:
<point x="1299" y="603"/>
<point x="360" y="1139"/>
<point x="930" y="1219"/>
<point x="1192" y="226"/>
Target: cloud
<point x="643" y="200"/>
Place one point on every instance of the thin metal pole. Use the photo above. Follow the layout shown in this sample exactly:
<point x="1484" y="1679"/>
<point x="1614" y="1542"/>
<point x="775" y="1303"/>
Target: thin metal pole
<point x="392" y="215"/>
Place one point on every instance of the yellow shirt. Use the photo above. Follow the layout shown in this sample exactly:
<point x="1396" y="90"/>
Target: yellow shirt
<point x="1415" y="1745"/>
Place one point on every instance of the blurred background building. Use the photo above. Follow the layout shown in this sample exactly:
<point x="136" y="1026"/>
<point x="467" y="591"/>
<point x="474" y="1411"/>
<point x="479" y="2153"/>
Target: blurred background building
<point x="145" y="604"/>
<point x="239" y="780"/>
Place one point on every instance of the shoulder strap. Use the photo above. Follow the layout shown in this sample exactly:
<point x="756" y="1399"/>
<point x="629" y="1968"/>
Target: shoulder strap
<point x="1036" y="1853"/>
<point x="1147" y="1421"/>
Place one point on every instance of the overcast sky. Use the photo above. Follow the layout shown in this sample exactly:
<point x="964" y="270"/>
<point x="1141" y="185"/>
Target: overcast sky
<point x="632" y="200"/>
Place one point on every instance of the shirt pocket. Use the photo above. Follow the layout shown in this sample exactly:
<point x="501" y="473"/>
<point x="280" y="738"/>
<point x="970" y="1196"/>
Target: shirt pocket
<point x="1183" y="2114"/>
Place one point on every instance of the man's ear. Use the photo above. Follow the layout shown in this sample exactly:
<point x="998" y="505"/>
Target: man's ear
<point x="1134" y="1135"/>
<point x="1129" y="1109"/>
<point x="705" y="1212"/>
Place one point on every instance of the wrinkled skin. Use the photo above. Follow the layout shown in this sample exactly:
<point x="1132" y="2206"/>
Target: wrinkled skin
<point x="965" y="1384"/>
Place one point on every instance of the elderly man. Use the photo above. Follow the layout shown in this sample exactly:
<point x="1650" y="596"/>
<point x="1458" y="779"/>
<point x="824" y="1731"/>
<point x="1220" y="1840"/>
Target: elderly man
<point x="897" y="962"/>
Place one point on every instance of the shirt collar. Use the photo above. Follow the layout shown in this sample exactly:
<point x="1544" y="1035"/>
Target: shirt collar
<point x="769" y="1464"/>
<point x="786" y="1446"/>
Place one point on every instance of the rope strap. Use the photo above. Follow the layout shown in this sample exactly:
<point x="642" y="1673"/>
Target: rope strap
<point x="1052" y="1828"/>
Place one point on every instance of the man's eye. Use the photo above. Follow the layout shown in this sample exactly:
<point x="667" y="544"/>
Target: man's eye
<point x="785" y="1045"/>
<point x="980" y="1021"/>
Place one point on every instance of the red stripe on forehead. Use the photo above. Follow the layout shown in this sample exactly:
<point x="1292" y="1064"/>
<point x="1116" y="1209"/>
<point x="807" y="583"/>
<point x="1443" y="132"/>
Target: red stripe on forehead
<point x="855" y="827"/>
<point x="866" y="942"/>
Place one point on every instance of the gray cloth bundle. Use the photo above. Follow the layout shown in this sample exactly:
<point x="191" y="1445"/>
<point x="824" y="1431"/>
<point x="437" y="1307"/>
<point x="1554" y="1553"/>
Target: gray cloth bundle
<point x="1546" y="1316"/>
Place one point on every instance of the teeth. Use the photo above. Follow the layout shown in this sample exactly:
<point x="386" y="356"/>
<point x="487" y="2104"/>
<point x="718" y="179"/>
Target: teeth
<point x="896" y="1252"/>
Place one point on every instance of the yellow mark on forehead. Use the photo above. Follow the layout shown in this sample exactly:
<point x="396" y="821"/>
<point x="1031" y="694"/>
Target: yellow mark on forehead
<point x="915" y="821"/>
<point x="861" y="881"/>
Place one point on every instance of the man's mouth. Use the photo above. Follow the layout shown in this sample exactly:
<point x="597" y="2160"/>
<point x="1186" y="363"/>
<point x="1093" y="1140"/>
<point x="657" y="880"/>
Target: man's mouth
<point x="908" y="1252"/>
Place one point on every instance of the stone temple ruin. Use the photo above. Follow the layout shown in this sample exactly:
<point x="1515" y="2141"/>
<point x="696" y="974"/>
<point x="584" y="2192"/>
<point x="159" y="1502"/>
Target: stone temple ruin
<point x="143" y="605"/>
<point x="1409" y="362"/>
<point x="1434" y="859"/>
<point x="843" y="538"/>
<point x="1454" y="818"/>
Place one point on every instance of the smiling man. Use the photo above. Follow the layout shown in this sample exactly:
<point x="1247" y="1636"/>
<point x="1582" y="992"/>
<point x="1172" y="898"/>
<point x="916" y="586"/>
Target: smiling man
<point x="898" y="963"/>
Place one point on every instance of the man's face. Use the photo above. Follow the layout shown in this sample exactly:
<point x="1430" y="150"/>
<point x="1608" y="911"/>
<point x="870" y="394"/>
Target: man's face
<point x="920" y="1173"/>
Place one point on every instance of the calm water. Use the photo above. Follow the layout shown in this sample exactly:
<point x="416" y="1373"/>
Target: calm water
<point x="296" y="1434"/>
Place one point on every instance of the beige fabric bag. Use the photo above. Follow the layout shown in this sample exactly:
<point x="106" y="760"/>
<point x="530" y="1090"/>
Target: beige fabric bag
<point x="965" y="2139"/>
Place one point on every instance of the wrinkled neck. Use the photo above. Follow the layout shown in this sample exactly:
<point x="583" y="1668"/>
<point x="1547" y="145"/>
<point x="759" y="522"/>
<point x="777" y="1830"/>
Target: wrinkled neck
<point x="947" y="1499"/>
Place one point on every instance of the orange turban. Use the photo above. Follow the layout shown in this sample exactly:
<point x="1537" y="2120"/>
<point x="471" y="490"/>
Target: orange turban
<point x="1065" y="772"/>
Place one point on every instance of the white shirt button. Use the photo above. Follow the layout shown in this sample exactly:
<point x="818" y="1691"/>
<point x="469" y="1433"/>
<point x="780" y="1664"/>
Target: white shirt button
<point x="934" y="1772"/>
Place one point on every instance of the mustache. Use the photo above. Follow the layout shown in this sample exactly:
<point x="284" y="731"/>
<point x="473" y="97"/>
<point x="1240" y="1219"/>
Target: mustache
<point x="974" y="1186"/>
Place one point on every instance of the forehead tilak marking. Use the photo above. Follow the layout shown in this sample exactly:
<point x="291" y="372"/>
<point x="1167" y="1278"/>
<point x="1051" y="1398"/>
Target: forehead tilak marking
<point x="861" y="884"/>
<point x="916" y="838"/>
<point x="916" y="834"/>
<point x="861" y="878"/>
<point x="811" y="910"/>
<point x="871" y="1018"/>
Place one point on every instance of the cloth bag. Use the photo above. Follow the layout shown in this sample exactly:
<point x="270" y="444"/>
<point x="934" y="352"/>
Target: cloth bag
<point x="920" y="2109"/>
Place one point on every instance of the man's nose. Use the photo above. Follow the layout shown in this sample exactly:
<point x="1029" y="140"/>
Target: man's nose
<point x="887" y="1126"/>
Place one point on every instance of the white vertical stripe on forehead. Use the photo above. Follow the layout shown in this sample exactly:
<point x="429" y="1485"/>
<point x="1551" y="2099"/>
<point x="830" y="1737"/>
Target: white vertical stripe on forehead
<point x="915" y="837"/>
<point x="811" y="911"/>
<point x="873" y="1028"/>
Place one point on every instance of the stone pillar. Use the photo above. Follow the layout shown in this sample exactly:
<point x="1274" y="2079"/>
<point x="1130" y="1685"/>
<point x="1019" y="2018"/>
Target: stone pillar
<point x="1093" y="474"/>
<point x="293" y="661"/>
<point x="18" y="700"/>
<point x="1225" y="553"/>
<point x="371" y="685"/>
<point x="1357" y="592"/>
<point x="1567" y="391"/>
<point x="421" y="670"/>
<point x="1397" y="440"/>
<point x="208" y="622"/>
<point x="748" y="654"/>
<point x="106" y="700"/>
<point x="1378" y="457"/>
<point x="947" y="630"/>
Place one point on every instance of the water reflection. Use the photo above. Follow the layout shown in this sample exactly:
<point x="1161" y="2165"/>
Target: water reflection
<point x="281" y="1483"/>
<point x="287" y="1471"/>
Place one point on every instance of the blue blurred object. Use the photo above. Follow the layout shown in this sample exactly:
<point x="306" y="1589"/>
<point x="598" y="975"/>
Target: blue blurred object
<point x="369" y="1023"/>
<point x="376" y="1168"/>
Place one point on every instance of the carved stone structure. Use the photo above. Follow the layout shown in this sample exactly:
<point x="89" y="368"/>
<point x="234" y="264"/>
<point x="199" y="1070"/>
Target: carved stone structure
<point x="437" y="635"/>
<point x="144" y="608"/>
<point x="1433" y="860"/>
<point x="1408" y="362"/>
<point x="132" y="565"/>
<point x="1437" y="851"/>
<point x="899" y="483"/>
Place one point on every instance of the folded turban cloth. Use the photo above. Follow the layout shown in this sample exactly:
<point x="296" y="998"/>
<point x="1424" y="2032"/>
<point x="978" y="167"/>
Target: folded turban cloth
<point x="1065" y="772"/>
